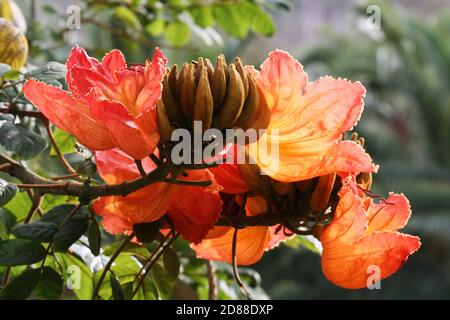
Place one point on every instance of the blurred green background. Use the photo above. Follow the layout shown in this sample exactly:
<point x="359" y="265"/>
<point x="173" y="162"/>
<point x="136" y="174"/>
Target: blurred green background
<point x="403" y="59"/>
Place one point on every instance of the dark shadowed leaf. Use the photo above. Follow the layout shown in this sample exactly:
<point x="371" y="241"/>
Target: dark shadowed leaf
<point x="163" y="282"/>
<point x="21" y="287"/>
<point x="50" y="285"/>
<point x="94" y="237"/>
<point x="18" y="252"/>
<point x="18" y="140"/>
<point x="69" y="232"/>
<point x="7" y="192"/>
<point x="146" y="232"/>
<point x="171" y="263"/>
<point x="7" y="222"/>
<point x="117" y="291"/>
<point x="41" y="231"/>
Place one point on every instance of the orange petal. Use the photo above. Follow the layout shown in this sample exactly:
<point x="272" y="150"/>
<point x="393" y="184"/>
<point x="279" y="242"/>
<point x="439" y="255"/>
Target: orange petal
<point x="389" y="215"/>
<point x="145" y="205"/>
<point x="307" y="121"/>
<point x="282" y="80"/>
<point x="352" y="266"/>
<point x="351" y="253"/>
<point x="68" y="114"/>
<point x="250" y="247"/>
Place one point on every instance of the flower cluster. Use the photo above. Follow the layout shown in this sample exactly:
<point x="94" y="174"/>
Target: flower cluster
<point x="318" y="183"/>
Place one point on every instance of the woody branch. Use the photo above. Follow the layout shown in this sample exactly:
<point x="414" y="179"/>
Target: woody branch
<point x="30" y="180"/>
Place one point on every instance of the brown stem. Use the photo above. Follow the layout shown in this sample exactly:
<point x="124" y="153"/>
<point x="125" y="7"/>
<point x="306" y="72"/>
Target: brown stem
<point x="241" y="284"/>
<point x="212" y="280"/>
<point x="6" y="276"/>
<point x="22" y="113"/>
<point x="55" y="146"/>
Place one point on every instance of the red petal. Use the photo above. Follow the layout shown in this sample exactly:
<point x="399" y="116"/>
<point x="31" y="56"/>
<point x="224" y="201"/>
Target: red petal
<point x="114" y="61"/>
<point x="127" y="135"/>
<point x="194" y="210"/>
<point x="68" y="114"/>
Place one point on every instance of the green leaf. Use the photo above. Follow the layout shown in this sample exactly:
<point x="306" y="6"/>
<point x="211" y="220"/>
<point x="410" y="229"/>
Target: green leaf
<point x="69" y="232"/>
<point x="171" y="263"/>
<point x="156" y="27"/>
<point x="49" y="72"/>
<point x="50" y="285"/>
<point x="178" y="33"/>
<point x="50" y="201"/>
<point x="116" y="288"/>
<point x="233" y="19"/>
<point x="94" y="237"/>
<point x="18" y="252"/>
<point x="40" y="231"/>
<point x="66" y="142"/>
<point x="19" y="205"/>
<point x="146" y="232"/>
<point x="131" y="248"/>
<point x="11" y="75"/>
<point x="163" y="282"/>
<point x="21" y="287"/>
<point x="307" y="242"/>
<point x="127" y="17"/>
<point x="78" y="277"/>
<point x="4" y="68"/>
<point x="262" y="23"/>
<point x="7" y="222"/>
<point x="18" y="140"/>
<point x="7" y="192"/>
<point x="203" y="16"/>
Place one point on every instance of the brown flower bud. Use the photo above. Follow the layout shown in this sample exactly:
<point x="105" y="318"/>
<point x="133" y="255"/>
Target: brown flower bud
<point x="222" y="97"/>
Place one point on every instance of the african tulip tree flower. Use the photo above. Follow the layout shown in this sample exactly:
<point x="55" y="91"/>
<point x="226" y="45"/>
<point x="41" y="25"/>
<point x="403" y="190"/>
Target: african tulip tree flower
<point x="310" y="119"/>
<point x="363" y="235"/>
<point x="192" y="209"/>
<point x="251" y="242"/>
<point x="109" y="105"/>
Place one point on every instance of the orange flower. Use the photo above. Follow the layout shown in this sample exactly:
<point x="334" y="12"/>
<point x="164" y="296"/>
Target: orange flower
<point x="251" y="242"/>
<point x="108" y="105"/>
<point x="310" y="119"/>
<point x="192" y="209"/>
<point x="363" y="237"/>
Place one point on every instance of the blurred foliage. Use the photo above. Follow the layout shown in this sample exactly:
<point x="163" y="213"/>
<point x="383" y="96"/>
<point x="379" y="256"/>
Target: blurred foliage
<point x="137" y="26"/>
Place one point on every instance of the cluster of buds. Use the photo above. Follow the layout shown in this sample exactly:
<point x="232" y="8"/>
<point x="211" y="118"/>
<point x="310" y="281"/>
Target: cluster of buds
<point x="224" y="96"/>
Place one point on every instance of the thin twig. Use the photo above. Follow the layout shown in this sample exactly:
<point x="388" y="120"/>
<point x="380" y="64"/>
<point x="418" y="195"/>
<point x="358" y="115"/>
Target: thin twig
<point x="55" y="146"/>
<point x="141" y="168"/>
<point x="109" y="264"/>
<point x="151" y="264"/>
